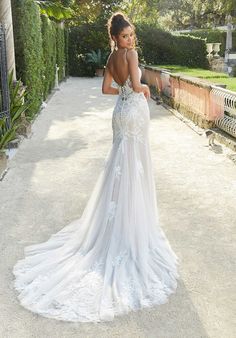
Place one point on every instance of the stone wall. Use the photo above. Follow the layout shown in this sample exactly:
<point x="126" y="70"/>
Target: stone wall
<point x="190" y="96"/>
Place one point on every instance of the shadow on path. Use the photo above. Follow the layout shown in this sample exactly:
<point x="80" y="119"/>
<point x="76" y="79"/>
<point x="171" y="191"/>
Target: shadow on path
<point x="50" y="180"/>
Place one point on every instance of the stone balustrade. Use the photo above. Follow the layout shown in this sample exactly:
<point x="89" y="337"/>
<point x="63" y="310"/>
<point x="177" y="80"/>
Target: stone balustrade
<point x="192" y="97"/>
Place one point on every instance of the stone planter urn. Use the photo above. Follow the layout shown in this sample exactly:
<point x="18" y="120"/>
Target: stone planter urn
<point x="3" y="163"/>
<point x="99" y="72"/>
<point x="209" y="49"/>
<point x="216" y="48"/>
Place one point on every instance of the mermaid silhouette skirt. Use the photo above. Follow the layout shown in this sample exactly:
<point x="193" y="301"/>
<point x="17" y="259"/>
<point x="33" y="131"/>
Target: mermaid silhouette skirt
<point x="115" y="258"/>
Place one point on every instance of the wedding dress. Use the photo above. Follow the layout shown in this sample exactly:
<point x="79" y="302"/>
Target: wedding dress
<point x="115" y="258"/>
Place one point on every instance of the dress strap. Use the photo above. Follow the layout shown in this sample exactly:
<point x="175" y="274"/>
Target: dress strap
<point x="126" y="54"/>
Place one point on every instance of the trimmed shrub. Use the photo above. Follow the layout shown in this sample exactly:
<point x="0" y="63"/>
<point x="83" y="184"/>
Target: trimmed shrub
<point x="155" y="46"/>
<point x="214" y="36"/>
<point x="39" y="46"/>
<point x="29" y="50"/>
<point x="84" y="39"/>
<point x="60" y="54"/>
<point x="160" y="47"/>
<point x="49" y="54"/>
<point x="66" y="38"/>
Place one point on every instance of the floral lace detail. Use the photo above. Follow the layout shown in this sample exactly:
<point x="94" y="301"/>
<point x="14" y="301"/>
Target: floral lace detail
<point x="118" y="259"/>
<point x="129" y="119"/>
<point x="84" y="297"/>
<point x="117" y="171"/>
<point x="140" y="168"/>
<point x="126" y="90"/>
<point x="111" y="210"/>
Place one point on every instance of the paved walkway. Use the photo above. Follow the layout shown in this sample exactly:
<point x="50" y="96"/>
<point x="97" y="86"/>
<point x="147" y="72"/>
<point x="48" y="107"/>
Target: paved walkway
<point x="50" y="179"/>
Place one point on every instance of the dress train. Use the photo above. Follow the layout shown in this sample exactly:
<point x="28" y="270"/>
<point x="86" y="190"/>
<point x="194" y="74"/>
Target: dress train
<point x="115" y="258"/>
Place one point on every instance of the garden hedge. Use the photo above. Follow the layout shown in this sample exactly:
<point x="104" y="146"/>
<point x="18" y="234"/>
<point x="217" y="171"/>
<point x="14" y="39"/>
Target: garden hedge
<point x="60" y="54"/>
<point x="214" y="36"/>
<point x="49" y="54"/>
<point x="155" y="47"/>
<point x="39" y="46"/>
<point x="28" y="50"/>
<point x="84" y="39"/>
<point x="161" y="47"/>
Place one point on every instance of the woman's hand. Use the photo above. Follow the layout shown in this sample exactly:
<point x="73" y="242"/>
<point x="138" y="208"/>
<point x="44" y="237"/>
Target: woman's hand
<point x="146" y="91"/>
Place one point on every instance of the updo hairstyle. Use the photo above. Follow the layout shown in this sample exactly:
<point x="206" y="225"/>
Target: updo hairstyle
<point x="117" y="22"/>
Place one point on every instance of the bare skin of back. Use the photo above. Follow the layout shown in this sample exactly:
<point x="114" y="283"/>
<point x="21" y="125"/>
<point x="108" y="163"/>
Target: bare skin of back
<point x="120" y="65"/>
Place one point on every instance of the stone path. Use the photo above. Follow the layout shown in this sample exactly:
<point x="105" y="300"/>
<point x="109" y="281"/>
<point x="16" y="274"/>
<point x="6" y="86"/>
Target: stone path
<point x="50" y="179"/>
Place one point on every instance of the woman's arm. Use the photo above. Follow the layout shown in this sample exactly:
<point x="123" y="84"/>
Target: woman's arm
<point x="132" y="58"/>
<point x="106" y="85"/>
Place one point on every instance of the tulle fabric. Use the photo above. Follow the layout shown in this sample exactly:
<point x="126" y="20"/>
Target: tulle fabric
<point x="115" y="258"/>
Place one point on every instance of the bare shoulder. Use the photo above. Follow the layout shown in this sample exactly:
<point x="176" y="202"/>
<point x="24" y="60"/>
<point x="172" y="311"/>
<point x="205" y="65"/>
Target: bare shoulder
<point x="132" y="54"/>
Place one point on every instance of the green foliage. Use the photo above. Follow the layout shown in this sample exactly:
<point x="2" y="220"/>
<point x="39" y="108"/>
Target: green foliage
<point x="18" y="103"/>
<point x="199" y="72"/>
<point x="214" y="36"/>
<point x="60" y="51"/>
<point x="88" y="12"/>
<point x="66" y="47"/>
<point x="54" y="51"/>
<point x="54" y="9"/>
<point x="18" y="106"/>
<point x="28" y="50"/>
<point x="160" y="47"/>
<point x="49" y="54"/>
<point x="39" y="46"/>
<point x="155" y="46"/>
<point x="97" y="58"/>
<point x="6" y="135"/>
<point x="234" y="73"/>
<point x="180" y="14"/>
<point x="145" y="11"/>
<point x="82" y="40"/>
<point x="210" y="76"/>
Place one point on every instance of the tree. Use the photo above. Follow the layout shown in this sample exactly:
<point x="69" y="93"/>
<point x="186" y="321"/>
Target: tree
<point x="87" y="12"/>
<point x="142" y="11"/>
<point x="56" y="9"/>
<point x="180" y="14"/>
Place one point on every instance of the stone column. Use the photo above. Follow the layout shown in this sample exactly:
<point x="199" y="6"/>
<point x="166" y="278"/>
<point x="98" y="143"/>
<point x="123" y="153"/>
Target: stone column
<point x="6" y="20"/>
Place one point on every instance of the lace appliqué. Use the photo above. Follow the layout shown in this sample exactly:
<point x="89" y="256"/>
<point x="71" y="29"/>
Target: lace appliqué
<point x="111" y="210"/>
<point x="140" y="168"/>
<point x="118" y="259"/>
<point x="117" y="171"/>
<point x="129" y="120"/>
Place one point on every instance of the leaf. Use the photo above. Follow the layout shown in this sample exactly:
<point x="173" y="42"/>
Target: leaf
<point x="8" y="136"/>
<point x="54" y="10"/>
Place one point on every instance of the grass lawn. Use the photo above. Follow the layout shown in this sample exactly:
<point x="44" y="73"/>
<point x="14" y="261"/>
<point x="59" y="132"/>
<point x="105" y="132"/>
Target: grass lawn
<point x="209" y="75"/>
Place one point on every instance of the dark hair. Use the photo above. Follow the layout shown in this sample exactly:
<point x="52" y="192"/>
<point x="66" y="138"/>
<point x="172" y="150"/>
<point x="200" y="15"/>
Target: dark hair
<point x="117" y="22"/>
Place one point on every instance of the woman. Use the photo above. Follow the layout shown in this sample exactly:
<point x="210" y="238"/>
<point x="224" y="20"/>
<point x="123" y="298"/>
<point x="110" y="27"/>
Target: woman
<point x="115" y="258"/>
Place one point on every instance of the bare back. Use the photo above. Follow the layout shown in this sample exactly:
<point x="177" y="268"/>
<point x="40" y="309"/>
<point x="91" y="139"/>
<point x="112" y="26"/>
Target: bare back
<point x="118" y="66"/>
<point x="121" y="65"/>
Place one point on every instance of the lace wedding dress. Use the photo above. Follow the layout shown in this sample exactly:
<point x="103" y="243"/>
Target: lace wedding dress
<point x="115" y="258"/>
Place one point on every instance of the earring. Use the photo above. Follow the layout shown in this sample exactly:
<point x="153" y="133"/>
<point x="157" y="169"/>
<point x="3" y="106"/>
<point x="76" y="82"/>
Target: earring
<point x="116" y="48"/>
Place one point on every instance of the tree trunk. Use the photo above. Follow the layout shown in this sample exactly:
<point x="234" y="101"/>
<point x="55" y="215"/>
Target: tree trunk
<point x="6" y="19"/>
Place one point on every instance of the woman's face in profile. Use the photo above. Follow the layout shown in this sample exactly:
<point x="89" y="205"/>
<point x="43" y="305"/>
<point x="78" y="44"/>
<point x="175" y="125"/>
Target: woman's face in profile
<point x="126" y="38"/>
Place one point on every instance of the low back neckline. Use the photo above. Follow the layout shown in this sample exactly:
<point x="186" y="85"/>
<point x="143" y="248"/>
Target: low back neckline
<point x="128" y="78"/>
<point x="122" y="85"/>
